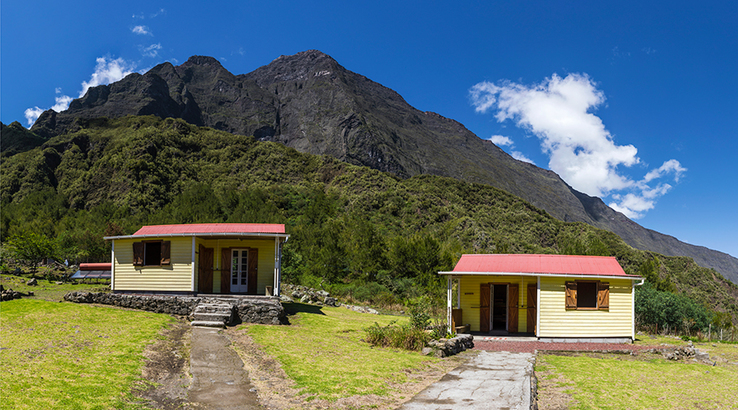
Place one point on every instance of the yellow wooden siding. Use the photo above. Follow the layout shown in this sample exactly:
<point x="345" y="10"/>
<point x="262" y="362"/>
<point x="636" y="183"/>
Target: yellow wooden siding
<point x="176" y="277"/>
<point x="556" y="321"/>
<point x="469" y="287"/>
<point x="265" y="265"/>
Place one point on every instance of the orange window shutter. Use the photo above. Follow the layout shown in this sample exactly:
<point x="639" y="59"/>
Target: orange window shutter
<point x="138" y="253"/>
<point x="166" y="250"/>
<point x="571" y="295"/>
<point x="603" y="296"/>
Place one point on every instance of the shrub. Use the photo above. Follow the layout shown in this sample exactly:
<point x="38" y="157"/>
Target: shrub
<point x="419" y="310"/>
<point x="400" y="337"/>
<point x="669" y="311"/>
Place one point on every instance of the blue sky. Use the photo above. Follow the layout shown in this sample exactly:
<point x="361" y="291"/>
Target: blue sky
<point x="636" y="102"/>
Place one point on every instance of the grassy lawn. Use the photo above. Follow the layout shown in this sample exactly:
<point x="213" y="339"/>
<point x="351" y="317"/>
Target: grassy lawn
<point x="323" y="353"/>
<point x="48" y="290"/>
<point x="596" y="381"/>
<point x="64" y="355"/>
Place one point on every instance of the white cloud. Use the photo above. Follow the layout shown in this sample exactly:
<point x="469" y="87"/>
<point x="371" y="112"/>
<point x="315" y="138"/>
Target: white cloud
<point x="670" y="166"/>
<point x="143" y="30"/>
<point x="32" y="115"/>
<point x="501" y="140"/>
<point x="580" y="149"/>
<point x="151" y="51"/>
<point x="521" y="157"/>
<point x="62" y="103"/>
<point x="106" y="71"/>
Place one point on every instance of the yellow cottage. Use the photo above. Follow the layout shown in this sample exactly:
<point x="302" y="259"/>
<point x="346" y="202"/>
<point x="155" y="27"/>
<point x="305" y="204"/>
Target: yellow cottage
<point x="552" y="297"/>
<point x="224" y="258"/>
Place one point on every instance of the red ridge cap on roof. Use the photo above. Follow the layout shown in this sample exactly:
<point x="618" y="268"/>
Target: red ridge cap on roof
<point x="541" y="264"/>
<point x="210" y="229"/>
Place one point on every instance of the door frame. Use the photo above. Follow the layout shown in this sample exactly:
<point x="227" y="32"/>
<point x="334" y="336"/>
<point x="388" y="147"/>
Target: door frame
<point x="242" y="273"/>
<point x="492" y="305"/>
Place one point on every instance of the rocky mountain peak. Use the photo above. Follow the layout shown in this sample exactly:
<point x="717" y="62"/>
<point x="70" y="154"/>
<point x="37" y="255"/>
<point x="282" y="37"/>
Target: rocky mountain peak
<point x="202" y="61"/>
<point x="297" y="67"/>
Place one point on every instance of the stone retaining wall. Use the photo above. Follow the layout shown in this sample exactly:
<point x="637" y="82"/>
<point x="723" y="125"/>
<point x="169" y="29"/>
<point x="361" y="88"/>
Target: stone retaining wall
<point x="449" y="347"/>
<point x="258" y="309"/>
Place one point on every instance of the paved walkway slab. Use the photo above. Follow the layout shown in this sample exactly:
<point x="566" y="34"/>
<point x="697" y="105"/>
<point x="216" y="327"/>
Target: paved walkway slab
<point x="218" y="378"/>
<point x="489" y="380"/>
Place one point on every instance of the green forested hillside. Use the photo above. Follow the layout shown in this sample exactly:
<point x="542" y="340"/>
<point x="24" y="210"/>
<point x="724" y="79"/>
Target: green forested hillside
<point x="349" y="224"/>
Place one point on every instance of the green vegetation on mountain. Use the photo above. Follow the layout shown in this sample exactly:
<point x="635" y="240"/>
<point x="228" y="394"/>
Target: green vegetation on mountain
<point x="349" y="224"/>
<point x="308" y="101"/>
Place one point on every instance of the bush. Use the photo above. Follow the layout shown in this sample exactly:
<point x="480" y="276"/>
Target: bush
<point x="419" y="310"/>
<point x="400" y="337"/>
<point x="666" y="310"/>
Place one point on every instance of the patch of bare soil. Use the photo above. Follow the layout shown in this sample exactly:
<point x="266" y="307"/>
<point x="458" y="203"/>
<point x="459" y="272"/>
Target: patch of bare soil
<point x="276" y="390"/>
<point x="166" y="373"/>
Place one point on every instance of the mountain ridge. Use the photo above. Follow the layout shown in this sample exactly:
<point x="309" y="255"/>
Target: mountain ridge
<point x="309" y="102"/>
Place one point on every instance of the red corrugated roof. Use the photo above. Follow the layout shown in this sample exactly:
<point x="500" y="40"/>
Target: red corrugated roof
<point x="185" y="229"/>
<point x="541" y="264"/>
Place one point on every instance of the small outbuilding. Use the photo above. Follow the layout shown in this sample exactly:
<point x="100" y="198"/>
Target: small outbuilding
<point x="551" y="297"/>
<point x="89" y="271"/>
<point x="199" y="259"/>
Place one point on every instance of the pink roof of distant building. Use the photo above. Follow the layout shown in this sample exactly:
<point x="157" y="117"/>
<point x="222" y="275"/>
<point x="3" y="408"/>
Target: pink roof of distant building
<point x="229" y="228"/>
<point x="540" y="264"/>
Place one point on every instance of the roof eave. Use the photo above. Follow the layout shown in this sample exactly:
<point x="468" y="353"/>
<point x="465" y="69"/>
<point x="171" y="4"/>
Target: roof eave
<point x="206" y="234"/>
<point x="559" y="275"/>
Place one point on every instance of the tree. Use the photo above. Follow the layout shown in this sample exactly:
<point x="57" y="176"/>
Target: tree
<point x="31" y="248"/>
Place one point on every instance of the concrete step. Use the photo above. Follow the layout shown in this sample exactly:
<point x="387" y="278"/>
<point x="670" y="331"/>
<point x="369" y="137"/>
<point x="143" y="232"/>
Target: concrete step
<point x="207" y="323"/>
<point x="213" y="317"/>
<point x="207" y="308"/>
<point x="217" y="305"/>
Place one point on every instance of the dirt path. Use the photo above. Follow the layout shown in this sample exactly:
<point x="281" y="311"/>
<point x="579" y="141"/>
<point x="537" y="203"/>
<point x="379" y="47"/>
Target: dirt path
<point x="219" y="380"/>
<point x="167" y="369"/>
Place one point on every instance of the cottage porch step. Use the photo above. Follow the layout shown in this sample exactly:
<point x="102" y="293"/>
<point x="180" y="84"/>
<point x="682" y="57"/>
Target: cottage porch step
<point x="222" y="317"/>
<point x="208" y="323"/>
<point x="216" y="314"/>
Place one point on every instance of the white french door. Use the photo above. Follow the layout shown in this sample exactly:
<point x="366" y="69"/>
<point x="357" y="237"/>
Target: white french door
<point x="239" y="270"/>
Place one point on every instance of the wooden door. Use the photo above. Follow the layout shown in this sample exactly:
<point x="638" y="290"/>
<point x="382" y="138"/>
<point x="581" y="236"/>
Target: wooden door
<point x="205" y="280"/>
<point x="484" y="299"/>
<point x="225" y="270"/>
<point x="531" y="316"/>
<point x="253" y="271"/>
<point x="512" y="308"/>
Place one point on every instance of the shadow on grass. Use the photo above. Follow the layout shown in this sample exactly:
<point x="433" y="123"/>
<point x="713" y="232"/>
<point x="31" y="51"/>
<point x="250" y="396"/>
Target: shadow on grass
<point x="294" y="308"/>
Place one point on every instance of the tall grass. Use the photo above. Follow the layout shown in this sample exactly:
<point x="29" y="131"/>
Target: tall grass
<point x="398" y="336"/>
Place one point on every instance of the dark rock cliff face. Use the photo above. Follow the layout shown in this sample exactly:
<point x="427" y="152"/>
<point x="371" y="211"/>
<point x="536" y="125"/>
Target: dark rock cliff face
<point x="311" y="103"/>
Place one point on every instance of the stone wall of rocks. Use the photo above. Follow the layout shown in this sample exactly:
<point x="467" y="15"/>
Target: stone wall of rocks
<point x="258" y="309"/>
<point x="682" y="353"/>
<point x="304" y="294"/>
<point x="449" y="347"/>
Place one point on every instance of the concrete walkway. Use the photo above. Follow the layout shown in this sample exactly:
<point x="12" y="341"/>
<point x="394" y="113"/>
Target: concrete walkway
<point x="489" y="380"/>
<point x="218" y="378"/>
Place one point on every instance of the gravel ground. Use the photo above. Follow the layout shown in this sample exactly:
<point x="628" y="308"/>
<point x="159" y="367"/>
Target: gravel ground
<point x="530" y="347"/>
